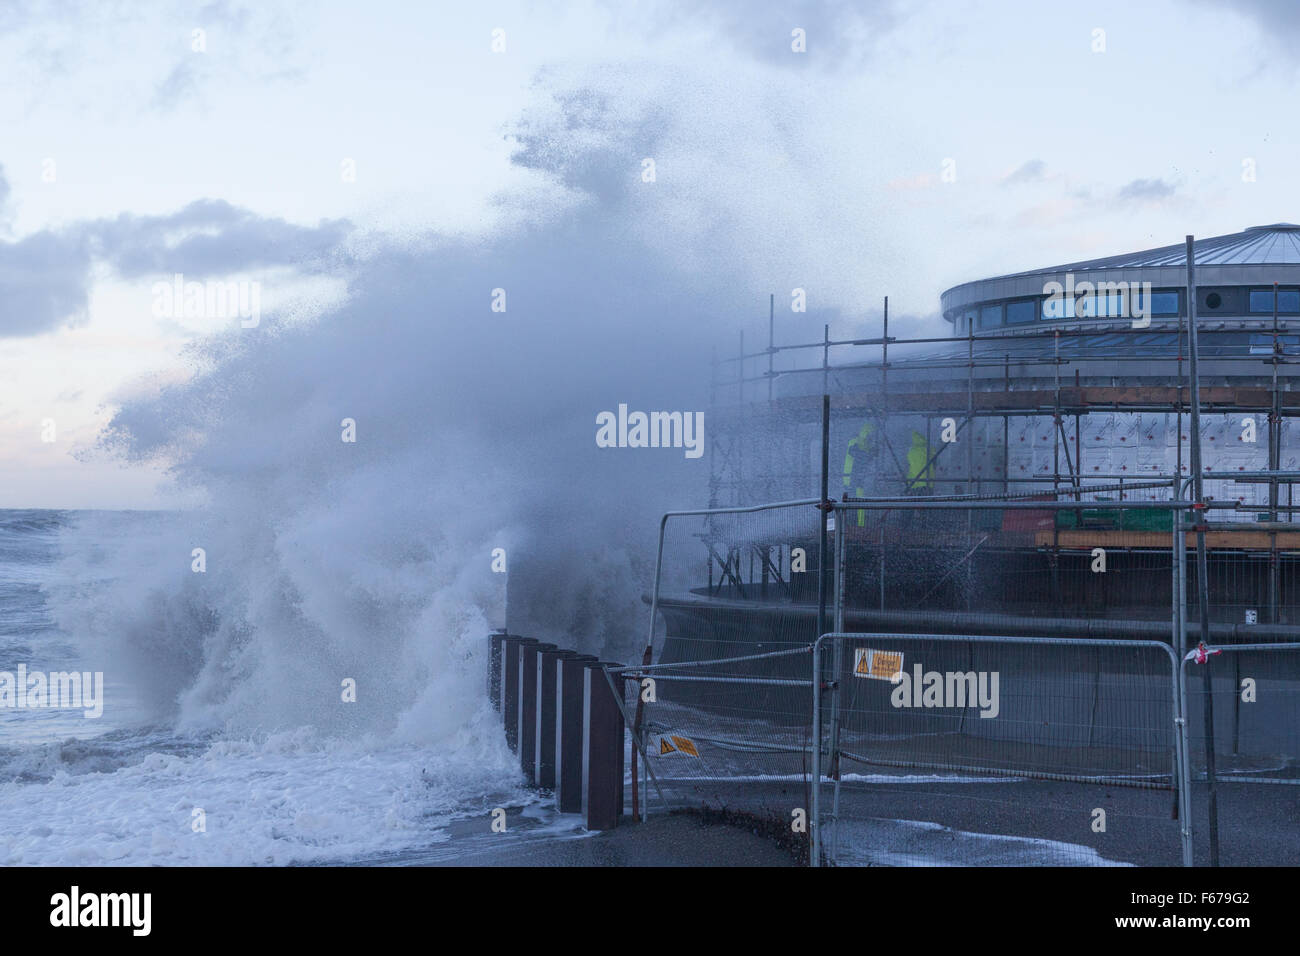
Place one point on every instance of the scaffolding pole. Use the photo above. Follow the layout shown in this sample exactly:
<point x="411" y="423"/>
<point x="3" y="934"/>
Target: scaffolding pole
<point x="1202" y="565"/>
<point x="1274" y="464"/>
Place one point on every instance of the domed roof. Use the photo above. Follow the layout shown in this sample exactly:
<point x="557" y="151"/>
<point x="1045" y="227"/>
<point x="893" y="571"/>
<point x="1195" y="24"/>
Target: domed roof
<point x="1258" y="255"/>
<point x="1276" y="244"/>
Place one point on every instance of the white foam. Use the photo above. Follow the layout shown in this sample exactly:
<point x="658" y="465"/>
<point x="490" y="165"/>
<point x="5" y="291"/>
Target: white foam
<point x="881" y="842"/>
<point x="289" y="798"/>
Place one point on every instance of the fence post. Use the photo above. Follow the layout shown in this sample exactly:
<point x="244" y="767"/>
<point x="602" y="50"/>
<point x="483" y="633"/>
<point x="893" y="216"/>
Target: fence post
<point x="1202" y="555"/>
<point x="1178" y="641"/>
<point x="814" y="823"/>
<point x="568" y="732"/>
<point x="528" y="706"/>
<point x="837" y="652"/>
<point x="602" y="750"/>
<point x="510" y="686"/>
<point x="544" y="748"/>
<point x="1184" y="764"/>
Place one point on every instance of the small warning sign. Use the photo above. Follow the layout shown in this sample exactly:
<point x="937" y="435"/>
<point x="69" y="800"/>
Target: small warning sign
<point x="878" y="665"/>
<point x="861" y="662"/>
<point x="686" y="746"/>
<point x="674" y="744"/>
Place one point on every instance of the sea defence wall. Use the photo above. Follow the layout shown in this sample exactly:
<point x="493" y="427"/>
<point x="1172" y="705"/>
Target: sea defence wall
<point x="561" y="716"/>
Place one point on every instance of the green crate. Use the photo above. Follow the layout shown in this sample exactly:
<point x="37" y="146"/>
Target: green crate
<point x="1147" y="521"/>
<point x="1107" y="520"/>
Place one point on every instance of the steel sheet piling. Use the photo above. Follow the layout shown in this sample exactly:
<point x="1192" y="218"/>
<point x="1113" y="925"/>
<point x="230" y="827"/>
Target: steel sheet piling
<point x="527" y="735"/>
<point x="568" y="731"/>
<point x="511" y="645"/>
<point x="602" y="750"/>
<point x="544" y="748"/>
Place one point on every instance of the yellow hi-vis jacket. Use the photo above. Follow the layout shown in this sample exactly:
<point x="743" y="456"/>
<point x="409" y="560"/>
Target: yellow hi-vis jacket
<point x="865" y="444"/>
<point x="917" y="457"/>
<point x="866" y="447"/>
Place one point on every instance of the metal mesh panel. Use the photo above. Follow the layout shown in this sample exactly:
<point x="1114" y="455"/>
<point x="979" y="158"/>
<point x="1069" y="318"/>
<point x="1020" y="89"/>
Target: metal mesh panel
<point x="730" y="719"/>
<point x="1083" y="721"/>
<point x="1085" y="562"/>
<point x="987" y="751"/>
<point x="732" y="734"/>
<point x="1256" y="710"/>
<point x="726" y="576"/>
<point x="1253" y="572"/>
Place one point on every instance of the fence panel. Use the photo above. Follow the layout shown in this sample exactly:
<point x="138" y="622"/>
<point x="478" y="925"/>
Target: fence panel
<point x="1254" y="695"/>
<point x="1092" y="560"/>
<point x="1253" y="575"/>
<point x="731" y="734"/>
<point x="734" y="582"/>
<point x="967" y="750"/>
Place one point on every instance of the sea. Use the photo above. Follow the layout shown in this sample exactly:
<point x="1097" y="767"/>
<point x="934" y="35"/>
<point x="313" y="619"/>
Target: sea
<point x="221" y="742"/>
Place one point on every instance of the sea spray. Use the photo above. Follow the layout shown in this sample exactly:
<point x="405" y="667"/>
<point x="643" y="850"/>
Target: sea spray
<point x="369" y="560"/>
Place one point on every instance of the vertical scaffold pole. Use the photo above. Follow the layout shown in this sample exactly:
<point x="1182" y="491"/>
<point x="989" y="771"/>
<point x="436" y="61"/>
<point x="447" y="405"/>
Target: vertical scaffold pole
<point x="814" y="815"/>
<point x="1274" y="464"/>
<point x="884" y="435"/>
<point x="771" y="342"/>
<point x="970" y="455"/>
<point x="823" y="554"/>
<point x="837" y="666"/>
<point x="1202" y="569"/>
<point x="1006" y="424"/>
<point x="826" y="358"/>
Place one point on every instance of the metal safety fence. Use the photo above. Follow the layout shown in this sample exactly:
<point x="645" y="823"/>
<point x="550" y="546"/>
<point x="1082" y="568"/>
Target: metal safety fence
<point x="1252" y="577"/>
<point x="732" y="734"/>
<point x="722" y="716"/>
<point x="1073" y="608"/>
<point x="910" y="560"/>
<point x="987" y="750"/>
<point x="736" y="560"/>
<point x="1242" y="704"/>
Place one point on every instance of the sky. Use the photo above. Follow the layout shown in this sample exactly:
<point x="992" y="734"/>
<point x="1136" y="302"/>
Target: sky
<point x="313" y="152"/>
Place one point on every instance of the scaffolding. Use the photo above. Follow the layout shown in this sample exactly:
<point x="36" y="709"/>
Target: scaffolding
<point x="1058" y="374"/>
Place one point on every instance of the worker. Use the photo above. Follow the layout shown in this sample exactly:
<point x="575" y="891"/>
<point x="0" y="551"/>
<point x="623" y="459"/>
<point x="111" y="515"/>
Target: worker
<point x="918" y="456"/>
<point x="858" y="459"/>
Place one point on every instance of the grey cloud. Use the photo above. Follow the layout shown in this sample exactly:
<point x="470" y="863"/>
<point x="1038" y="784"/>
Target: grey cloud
<point x="1146" y="189"/>
<point x="212" y="237"/>
<point x="1031" y="172"/>
<point x="1275" y="18"/>
<point x="46" y="276"/>
<point x="839" y="32"/>
<point x="180" y="83"/>
<point x="225" y="13"/>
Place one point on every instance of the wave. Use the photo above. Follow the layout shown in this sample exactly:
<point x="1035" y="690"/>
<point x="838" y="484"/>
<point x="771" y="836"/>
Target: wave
<point x="326" y="561"/>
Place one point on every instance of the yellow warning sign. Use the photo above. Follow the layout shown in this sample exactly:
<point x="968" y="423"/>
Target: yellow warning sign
<point x="686" y="746"/>
<point x="673" y="744"/>
<point x="878" y="665"/>
<point x="862" y="662"/>
<point x="887" y="665"/>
